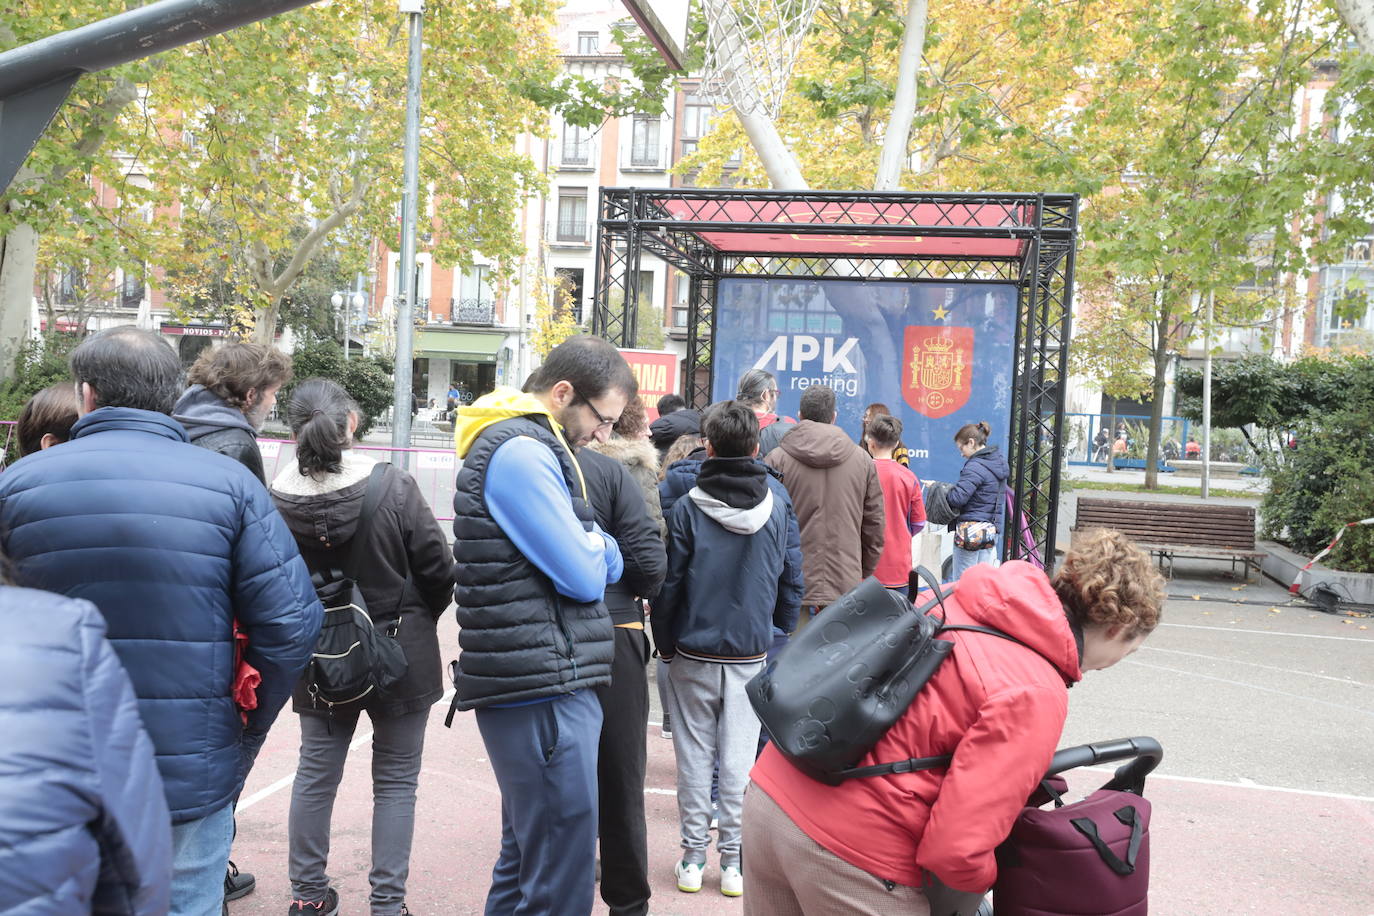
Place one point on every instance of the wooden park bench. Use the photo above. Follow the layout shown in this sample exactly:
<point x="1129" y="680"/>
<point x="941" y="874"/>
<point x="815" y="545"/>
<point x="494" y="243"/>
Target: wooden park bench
<point x="1169" y="530"/>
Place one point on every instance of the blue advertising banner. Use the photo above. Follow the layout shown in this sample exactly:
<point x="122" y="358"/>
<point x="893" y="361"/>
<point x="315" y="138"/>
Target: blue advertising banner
<point x="938" y="355"/>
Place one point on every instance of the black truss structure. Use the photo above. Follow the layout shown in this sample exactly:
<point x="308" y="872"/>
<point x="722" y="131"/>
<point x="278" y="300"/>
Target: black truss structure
<point x="673" y="224"/>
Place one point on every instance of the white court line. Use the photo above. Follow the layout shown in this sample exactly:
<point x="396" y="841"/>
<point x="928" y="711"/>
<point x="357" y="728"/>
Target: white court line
<point x="357" y="742"/>
<point x="1235" y="661"/>
<point x="1194" y="626"/>
<point x="1344" y="707"/>
<point x="1246" y="784"/>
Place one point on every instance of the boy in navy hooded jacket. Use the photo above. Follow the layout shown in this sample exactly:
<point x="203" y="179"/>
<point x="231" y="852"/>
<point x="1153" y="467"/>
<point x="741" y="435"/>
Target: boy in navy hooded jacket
<point x="731" y="579"/>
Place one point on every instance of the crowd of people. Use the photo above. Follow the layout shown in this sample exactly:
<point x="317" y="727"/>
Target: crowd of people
<point x="169" y="596"/>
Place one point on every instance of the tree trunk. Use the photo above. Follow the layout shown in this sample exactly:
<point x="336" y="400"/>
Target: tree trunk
<point x="778" y="161"/>
<point x="904" y="104"/>
<point x="1161" y="357"/>
<point x="18" y="260"/>
<point x="265" y="322"/>
<point x="1358" y="16"/>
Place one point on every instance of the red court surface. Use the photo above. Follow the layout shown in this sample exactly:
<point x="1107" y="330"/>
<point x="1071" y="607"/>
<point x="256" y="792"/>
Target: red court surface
<point x="1263" y="804"/>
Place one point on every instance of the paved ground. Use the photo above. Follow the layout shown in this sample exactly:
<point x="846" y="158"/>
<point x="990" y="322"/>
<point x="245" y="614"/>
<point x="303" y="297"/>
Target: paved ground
<point x="1264" y="802"/>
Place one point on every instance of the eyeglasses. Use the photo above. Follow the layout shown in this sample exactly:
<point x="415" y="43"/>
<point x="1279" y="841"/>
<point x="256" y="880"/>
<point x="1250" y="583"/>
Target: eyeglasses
<point x="603" y="423"/>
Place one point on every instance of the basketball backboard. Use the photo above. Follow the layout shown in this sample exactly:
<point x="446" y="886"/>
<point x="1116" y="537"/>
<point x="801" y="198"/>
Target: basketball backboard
<point x="664" y="22"/>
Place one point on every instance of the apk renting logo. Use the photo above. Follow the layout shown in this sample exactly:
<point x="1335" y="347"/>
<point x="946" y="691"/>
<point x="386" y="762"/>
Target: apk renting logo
<point x="830" y="357"/>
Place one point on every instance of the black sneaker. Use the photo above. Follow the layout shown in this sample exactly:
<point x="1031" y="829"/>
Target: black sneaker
<point x="329" y="906"/>
<point x="238" y="884"/>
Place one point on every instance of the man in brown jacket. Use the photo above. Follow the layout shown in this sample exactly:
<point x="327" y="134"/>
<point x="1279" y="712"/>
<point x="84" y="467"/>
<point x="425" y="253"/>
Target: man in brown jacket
<point x="839" y="502"/>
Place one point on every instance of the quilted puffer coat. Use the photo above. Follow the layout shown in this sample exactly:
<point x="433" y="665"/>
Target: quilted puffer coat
<point x="83" y="823"/>
<point x="172" y="543"/>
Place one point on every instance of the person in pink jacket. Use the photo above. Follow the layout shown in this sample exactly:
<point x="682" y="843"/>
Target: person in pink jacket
<point x="870" y="845"/>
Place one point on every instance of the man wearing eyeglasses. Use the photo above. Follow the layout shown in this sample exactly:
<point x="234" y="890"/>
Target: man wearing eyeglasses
<point x="536" y="636"/>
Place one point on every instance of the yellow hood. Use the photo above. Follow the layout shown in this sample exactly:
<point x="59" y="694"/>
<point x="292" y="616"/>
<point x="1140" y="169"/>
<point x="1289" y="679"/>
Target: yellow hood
<point x="503" y="404"/>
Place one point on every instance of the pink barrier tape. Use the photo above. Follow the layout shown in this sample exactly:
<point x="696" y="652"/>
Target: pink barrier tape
<point x="434" y="469"/>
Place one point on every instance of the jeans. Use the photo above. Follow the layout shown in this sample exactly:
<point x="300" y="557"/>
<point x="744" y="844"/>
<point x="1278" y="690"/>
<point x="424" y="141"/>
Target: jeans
<point x="397" y="744"/>
<point x="200" y="856"/>
<point x="544" y="757"/>
<point x="965" y="560"/>
<point x="620" y="777"/>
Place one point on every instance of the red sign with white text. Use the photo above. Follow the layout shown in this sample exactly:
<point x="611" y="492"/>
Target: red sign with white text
<point x="656" y="372"/>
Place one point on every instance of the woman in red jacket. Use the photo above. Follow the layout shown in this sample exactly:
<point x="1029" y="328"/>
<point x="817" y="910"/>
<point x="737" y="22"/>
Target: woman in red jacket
<point x="869" y="845"/>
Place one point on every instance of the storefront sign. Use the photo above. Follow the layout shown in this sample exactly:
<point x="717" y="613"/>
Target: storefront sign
<point x="198" y="330"/>
<point x="657" y="374"/>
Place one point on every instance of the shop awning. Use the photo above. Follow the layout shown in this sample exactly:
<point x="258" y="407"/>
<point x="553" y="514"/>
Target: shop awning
<point x="463" y="345"/>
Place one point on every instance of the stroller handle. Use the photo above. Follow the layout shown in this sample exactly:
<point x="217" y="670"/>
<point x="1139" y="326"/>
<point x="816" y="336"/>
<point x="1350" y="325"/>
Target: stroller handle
<point x="1146" y="754"/>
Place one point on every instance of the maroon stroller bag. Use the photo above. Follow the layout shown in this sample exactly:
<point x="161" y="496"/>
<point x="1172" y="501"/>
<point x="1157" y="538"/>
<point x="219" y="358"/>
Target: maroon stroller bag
<point x="1087" y="858"/>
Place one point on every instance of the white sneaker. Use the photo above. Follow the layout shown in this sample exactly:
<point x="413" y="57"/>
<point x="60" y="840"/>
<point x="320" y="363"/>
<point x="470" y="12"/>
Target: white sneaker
<point x="689" y="876"/>
<point x="731" y="881"/>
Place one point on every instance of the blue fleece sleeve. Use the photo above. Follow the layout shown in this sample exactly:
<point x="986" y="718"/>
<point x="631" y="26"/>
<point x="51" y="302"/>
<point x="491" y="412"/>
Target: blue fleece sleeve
<point x="528" y="497"/>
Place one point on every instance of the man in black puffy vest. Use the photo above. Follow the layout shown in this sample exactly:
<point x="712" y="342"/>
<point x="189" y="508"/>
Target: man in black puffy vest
<point x="536" y="636"/>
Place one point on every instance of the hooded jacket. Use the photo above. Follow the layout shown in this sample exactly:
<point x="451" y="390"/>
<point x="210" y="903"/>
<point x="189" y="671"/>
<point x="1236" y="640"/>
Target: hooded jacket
<point x="682" y="477"/>
<point x="532" y="563"/>
<point x="666" y="430"/>
<point x="977" y="495"/>
<point x="173" y="543"/>
<point x="641" y="460"/>
<point x="998" y="707"/>
<point x="83" y="823"/>
<point x="211" y="423"/>
<point x="839" y="503"/>
<point x="731" y="577"/>
<point x="623" y="510"/>
<point x="408" y="572"/>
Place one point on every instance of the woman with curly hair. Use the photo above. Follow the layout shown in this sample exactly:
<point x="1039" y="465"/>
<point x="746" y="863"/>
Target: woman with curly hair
<point x="880" y="844"/>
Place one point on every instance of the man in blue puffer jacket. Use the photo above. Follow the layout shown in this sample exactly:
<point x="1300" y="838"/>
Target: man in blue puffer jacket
<point x="83" y="823"/>
<point x="172" y="543"/>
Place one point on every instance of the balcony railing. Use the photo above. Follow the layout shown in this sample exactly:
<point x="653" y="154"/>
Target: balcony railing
<point x="572" y="230"/>
<point x="644" y="156"/>
<point x="473" y="311"/>
<point x="577" y="154"/>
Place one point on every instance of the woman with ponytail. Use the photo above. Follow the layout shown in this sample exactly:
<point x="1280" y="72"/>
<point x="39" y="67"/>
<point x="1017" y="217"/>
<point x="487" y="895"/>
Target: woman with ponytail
<point x="978" y="498"/>
<point x="408" y="573"/>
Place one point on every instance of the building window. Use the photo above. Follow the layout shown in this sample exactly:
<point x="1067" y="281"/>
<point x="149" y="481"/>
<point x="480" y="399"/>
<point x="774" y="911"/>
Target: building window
<point x="131" y="290"/>
<point x="569" y="281"/>
<point x="646" y="288"/>
<point x="644" y="141"/>
<point x="696" y="120"/>
<point x="577" y="145"/>
<point x="588" y="43"/>
<point x="572" y="215"/>
<point x="474" y="303"/>
<point x="71" y="287"/>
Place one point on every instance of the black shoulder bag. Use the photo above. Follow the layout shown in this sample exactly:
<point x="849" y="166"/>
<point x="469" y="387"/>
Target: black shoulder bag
<point x="354" y="658"/>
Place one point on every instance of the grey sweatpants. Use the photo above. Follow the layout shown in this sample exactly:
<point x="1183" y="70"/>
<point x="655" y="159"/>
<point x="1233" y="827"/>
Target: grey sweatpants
<point x="712" y="717"/>
<point x="397" y="743"/>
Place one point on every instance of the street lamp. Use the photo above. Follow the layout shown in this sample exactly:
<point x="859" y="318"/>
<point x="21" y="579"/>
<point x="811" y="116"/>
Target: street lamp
<point x="348" y="301"/>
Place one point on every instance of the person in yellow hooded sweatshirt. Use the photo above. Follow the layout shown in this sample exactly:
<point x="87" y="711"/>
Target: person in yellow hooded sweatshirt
<point x="536" y="637"/>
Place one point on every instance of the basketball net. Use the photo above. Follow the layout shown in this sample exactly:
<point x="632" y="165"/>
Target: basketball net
<point x="751" y="46"/>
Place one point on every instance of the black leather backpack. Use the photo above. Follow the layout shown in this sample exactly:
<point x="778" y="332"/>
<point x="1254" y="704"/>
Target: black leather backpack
<point x="354" y="657"/>
<point x="841" y="682"/>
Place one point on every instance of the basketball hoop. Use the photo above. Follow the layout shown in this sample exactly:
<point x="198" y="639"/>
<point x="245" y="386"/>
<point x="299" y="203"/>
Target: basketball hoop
<point x="751" y="46"/>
